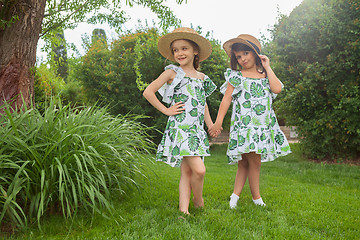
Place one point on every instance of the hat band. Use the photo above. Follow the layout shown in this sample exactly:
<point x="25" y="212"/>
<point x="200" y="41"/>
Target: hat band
<point x="254" y="46"/>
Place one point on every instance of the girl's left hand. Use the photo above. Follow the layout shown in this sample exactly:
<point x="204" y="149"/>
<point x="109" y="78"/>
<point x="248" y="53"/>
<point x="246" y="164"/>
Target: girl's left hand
<point x="215" y="130"/>
<point x="265" y="61"/>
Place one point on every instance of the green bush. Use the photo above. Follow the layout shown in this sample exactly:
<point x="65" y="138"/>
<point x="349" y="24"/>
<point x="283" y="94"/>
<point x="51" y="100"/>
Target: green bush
<point x="117" y="76"/>
<point x="73" y="91"/>
<point x="64" y="159"/>
<point x="109" y="76"/>
<point x="316" y="51"/>
<point x="214" y="67"/>
<point x="46" y="84"/>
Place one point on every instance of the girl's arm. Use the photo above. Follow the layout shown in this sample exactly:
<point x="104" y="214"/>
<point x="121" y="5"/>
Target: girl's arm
<point x="224" y="106"/>
<point x="275" y="84"/>
<point x="149" y="93"/>
<point x="207" y="118"/>
<point x="209" y="123"/>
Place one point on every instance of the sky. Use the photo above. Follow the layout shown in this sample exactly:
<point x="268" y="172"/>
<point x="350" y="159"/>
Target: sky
<point x="225" y="19"/>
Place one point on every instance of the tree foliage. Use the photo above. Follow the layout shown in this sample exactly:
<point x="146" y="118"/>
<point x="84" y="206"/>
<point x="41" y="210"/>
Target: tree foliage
<point x="108" y="75"/>
<point x="59" y="55"/>
<point x="47" y="84"/>
<point x="117" y="76"/>
<point x="316" y="51"/>
<point x="67" y="14"/>
<point x="214" y="67"/>
<point x="98" y="34"/>
<point x="23" y="22"/>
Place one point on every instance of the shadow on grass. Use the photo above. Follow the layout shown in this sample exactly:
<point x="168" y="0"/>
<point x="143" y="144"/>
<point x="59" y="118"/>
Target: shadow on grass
<point x="304" y="200"/>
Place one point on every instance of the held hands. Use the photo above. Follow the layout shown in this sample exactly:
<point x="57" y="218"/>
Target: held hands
<point x="215" y="130"/>
<point x="175" y="109"/>
<point x="178" y="108"/>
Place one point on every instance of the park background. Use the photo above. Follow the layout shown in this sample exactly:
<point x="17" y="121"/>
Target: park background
<point x="78" y="161"/>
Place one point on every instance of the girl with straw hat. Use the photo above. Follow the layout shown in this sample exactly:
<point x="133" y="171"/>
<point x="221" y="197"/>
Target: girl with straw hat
<point x="255" y="135"/>
<point x="184" y="143"/>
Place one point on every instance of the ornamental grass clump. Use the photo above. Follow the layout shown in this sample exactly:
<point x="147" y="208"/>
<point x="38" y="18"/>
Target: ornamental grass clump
<point x="63" y="159"/>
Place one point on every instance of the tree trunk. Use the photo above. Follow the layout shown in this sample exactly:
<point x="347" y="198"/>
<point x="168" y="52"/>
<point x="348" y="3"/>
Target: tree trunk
<point x="18" y="43"/>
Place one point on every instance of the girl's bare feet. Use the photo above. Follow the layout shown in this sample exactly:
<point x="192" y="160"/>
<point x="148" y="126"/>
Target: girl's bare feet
<point x="184" y="215"/>
<point x="198" y="204"/>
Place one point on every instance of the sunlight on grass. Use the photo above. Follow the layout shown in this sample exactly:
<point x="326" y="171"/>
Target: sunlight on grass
<point x="305" y="200"/>
<point x="61" y="160"/>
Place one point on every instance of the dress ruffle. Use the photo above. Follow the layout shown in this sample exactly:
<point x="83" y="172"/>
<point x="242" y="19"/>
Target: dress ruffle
<point x="184" y="134"/>
<point x="254" y="127"/>
<point x="269" y="143"/>
<point x="174" y="151"/>
<point x="209" y="86"/>
<point x="236" y="79"/>
<point x="167" y="90"/>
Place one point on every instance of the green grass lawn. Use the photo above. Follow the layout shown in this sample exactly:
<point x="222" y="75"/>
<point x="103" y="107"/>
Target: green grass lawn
<point x="305" y="200"/>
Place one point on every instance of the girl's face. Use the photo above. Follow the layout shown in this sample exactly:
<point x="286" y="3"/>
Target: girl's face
<point x="246" y="59"/>
<point x="184" y="52"/>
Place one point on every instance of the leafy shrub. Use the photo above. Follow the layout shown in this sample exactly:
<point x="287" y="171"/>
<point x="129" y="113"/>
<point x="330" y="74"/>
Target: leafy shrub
<point x="46" y="84"/>
<point x="214" y="67"/>
<point x="115" y="76"/>
<point x="65" y="159"/>
<point x="316" y="52"/>
<point x="109" y="76"/>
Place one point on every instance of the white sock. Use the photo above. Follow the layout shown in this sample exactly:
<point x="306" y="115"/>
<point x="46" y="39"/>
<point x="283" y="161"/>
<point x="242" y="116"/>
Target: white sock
<point x="233" y="200"/>
<point x="259" y="202"/>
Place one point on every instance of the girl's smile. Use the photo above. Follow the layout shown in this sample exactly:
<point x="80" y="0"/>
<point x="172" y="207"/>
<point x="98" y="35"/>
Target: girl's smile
<point x="184" y="52"/>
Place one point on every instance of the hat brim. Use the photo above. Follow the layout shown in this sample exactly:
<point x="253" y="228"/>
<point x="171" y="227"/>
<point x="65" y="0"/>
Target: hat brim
<point x="227" y="45"/>
<point x="164" y="43"/>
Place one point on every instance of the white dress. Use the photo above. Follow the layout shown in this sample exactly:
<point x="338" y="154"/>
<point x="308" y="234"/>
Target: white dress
<point x="254" y="127"/>
<point x="184" y="134"/>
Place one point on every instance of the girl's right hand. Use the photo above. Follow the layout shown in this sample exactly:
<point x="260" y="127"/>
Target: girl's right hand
<point x="215" y="130"/>
<point x="175" y="109"/>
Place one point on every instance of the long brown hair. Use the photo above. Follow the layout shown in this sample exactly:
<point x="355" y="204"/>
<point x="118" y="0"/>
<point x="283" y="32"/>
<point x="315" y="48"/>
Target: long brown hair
<point x="234" y="64"/>
<point x="196" y="62"/>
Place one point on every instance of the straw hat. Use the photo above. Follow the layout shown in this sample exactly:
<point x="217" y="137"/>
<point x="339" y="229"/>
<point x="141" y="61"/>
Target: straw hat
<point x="246" y="39"/>
<point x="184" y="33"/>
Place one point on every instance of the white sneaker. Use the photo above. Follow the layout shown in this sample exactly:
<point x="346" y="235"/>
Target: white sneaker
<point x="233" y="200"/>
<point x="259" y="202"/>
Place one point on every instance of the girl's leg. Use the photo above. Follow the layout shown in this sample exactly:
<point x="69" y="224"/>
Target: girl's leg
<point x="240" y="180"/>
<point x="241" y="175"/>
<point x="184" y="188"/>
<point x="254" y="174"/>
<point x="197" y="178"/>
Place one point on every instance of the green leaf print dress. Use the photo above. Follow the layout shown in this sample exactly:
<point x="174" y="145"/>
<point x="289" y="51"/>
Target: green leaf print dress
<point x="254" y="127"/>
<point x="184" y="134"/>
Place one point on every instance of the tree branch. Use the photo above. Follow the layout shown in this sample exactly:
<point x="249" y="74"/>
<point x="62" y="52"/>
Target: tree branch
<point x="65" y="19"/>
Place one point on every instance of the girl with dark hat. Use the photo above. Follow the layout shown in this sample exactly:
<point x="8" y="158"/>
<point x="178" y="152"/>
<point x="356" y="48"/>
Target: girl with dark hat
<point x="255" y="135"/>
